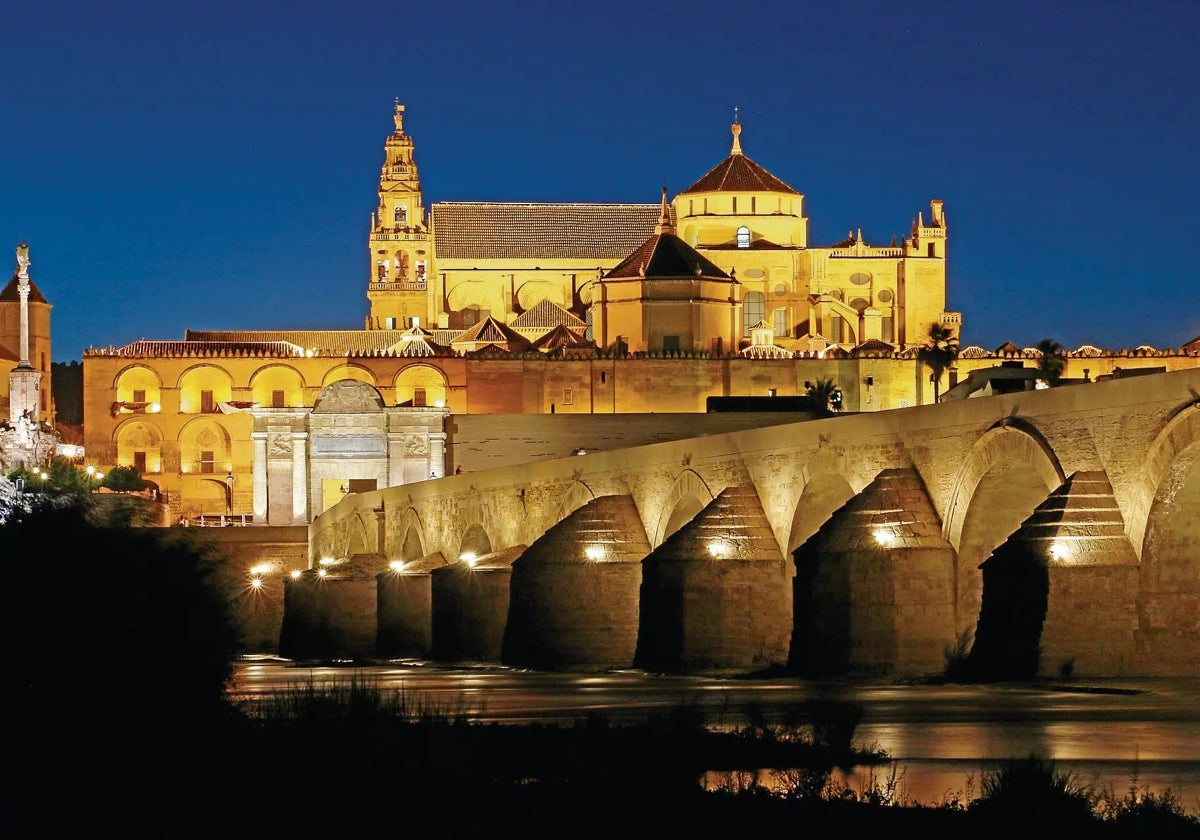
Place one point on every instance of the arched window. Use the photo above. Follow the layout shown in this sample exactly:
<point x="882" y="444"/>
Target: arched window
<point x="754" y="309"/>
<point x="401" y="214"/>
<point x="743" y="237"/>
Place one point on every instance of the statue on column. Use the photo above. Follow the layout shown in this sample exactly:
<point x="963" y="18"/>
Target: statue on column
<point x="23" y="261"/>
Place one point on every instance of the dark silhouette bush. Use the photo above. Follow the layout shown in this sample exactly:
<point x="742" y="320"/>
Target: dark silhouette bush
<point x="118" y="632"/>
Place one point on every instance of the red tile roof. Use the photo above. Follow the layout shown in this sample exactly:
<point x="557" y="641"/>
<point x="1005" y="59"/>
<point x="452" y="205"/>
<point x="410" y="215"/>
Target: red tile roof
<point x="737" y="173"/>
<point x="666" y="256"/>
<point x="12" y="293"/>
<point x="484" y="230"/>
<point x="546" y="314"/>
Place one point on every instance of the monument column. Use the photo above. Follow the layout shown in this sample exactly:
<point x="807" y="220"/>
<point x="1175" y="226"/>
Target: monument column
<point x="300" y="476"/>
<point x="260" y="477"/>
<point x="24" y="381"/>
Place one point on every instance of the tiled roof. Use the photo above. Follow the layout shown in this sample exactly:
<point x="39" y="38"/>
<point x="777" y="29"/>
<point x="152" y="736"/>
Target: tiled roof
<point x="737" y="173"/>
<point x="546" y="314"/>
<point x="324" y="342"/>
<point x="491" y="331"/>
<point x="766" y="351"/>
<point x="874" y="347"/>
<point x="485" y="231"/>
<point x="561" y="336"/>
<point x="666" y="256"/>
<point x="159" y="349"/>
<point x="11" y="292"/>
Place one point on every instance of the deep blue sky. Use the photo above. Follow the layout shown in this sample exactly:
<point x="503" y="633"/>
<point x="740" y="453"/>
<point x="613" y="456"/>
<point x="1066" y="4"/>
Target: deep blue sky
<point x="214" y="165"/>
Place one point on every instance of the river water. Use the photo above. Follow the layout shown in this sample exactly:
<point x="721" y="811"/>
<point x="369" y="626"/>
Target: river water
<point x="941" y="739"/>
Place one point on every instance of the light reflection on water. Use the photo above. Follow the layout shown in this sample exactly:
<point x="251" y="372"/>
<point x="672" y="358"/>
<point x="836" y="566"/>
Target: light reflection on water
<point x="941" y="739"/>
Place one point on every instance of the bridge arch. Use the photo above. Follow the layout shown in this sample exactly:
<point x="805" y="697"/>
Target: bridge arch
<point x="1009" y="471"/>
<point x="1170" y="548"/>
<point x="475" y="542"/>
<point x="1166" y="463"/>
<point x="411" y="545"/>
<point x="821" y="494"/>
<point x="577" y="495"/>
<point x="688" y="496"/>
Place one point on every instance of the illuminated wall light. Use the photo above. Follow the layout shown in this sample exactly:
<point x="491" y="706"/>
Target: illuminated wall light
<point x="256" y="582"/>
<point x="154" y="408"/>
<point x="884" y="537"/>
<point x="594" y="553"/>
<point x="719" y="548"/>
<point x="296" y="573"/>
<point x="469" y="557"/>
<point x="1059" y="551"/>
<point x="322" y="572"/>
<point x="396" y="566"/>
<point x="326" y="561"/>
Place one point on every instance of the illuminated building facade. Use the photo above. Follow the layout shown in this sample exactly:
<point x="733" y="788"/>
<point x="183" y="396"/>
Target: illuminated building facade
<point x="478" y="308"/>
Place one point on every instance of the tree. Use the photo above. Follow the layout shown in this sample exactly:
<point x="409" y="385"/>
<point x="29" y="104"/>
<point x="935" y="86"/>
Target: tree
<point x="122" y="598"/>
<point x="124" y="479"/>
<point x="939" y="352"/>
<point x="824" y="394"/>
<point x="1053" y="359"/>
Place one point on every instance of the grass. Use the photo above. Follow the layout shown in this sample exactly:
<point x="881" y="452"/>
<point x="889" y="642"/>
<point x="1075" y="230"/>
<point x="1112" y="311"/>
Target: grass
<point x="349" y="758"/>
<point x="393" y="746"/>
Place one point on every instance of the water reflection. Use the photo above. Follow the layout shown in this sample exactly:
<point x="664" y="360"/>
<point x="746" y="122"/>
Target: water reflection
<point x="941" y="739"/>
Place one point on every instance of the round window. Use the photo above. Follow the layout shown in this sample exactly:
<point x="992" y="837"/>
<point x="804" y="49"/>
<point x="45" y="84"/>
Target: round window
<point x="859" y="303"/>
<point x="780" y="289"/>
<point x="885" y="296"/>
<point x="754" y="272"/>
<point x="860" y="279"/>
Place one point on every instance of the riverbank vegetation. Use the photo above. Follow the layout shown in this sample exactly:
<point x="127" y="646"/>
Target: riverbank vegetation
<point x="122" y="718"/>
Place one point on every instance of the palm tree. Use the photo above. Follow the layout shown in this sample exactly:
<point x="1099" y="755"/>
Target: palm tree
<point x="939" y="352"/>
<point x="1053" y="359"/>
<point x="822" y="393"/>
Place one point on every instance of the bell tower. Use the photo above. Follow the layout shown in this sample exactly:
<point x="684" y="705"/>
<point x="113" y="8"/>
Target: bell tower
<point x="399" y="243"/>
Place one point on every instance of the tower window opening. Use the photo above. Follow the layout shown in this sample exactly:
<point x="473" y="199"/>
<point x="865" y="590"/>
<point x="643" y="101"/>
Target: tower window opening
<point x="278" y="399"/>
<point x="743" y="237"/>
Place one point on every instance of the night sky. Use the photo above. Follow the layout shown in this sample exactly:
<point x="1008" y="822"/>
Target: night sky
<point x="216" y="167"/>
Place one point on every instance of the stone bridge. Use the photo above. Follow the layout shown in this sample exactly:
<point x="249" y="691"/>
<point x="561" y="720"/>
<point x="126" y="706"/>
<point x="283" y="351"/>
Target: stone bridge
<point x="1051" y="532"/>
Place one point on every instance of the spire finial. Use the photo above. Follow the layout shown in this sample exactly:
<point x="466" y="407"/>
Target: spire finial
<point x="737" y="130"/>
<point x="398" y="117"/>
<point x="664" y="217"/>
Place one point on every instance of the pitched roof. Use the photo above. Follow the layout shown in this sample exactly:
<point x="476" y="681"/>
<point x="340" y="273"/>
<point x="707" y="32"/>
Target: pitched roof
<point x="484" y="230"/>
<point x="546" y="314"/>
<point x="561" y="336"/>
<point x="418" y="342"/>
<point x="737" y="173"/>
<point x="11" y="292"/>
<point x="156" y="349"/>
<point x="322" y="341"/>
<point x="874" y="347"/>
<point x="491" y="331"/>
<point x="666" y="256"/>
